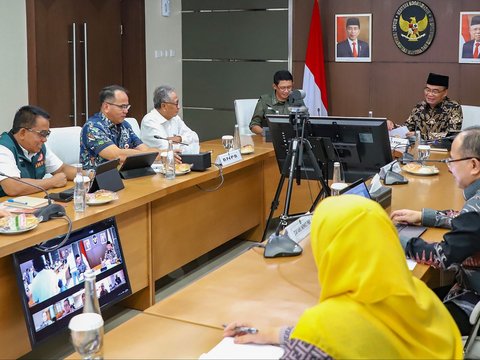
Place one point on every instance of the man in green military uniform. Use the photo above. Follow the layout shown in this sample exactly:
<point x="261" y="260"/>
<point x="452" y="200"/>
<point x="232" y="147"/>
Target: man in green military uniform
<point x="273" y="103"/>
<point x="23" y="154"/>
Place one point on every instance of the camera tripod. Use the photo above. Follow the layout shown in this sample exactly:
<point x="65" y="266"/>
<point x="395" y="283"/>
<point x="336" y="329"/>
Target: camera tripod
<point x="282" y="245"/>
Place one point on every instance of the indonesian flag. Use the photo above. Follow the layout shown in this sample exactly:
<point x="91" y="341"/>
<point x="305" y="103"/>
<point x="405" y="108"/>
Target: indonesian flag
<point x="314" y="74"/>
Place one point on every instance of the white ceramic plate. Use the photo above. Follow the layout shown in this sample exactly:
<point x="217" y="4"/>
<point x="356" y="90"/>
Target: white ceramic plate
<point x="7" y="231"/>
<point x="94" y="202"/>
<point x="423" y="171"/>
<point x="246" y="152"/>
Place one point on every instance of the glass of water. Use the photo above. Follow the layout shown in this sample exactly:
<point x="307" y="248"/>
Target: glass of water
<point x="423" y="152"/>
<point x="227" y="141"/>
<point x="87" y="335"/>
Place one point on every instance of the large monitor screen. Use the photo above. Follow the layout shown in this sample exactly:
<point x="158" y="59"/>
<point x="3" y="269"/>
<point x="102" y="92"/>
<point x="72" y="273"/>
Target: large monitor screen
<point x="52" y="284"/>
<point x="282" y="132"/>
<point x="362" y="145"/>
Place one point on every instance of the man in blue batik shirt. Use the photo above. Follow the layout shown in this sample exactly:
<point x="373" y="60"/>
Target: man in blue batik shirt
<point x="106" y="136"/>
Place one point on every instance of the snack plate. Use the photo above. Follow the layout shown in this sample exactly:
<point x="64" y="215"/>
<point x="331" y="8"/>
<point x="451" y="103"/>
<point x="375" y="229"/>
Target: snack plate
<point x="159" y="169"/>
<point x="246" y="152"/>
<point x="93" y="202"/>
<point x="7" y="231"/>
<point x="423" y="171"/>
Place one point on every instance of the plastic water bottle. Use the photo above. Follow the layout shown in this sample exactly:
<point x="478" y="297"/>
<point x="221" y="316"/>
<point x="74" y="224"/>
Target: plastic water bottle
<point x="418" y="141"/>
<point x="170" y="162"/>
<point x="79" y="192"/>
<point x="236" y="138"/>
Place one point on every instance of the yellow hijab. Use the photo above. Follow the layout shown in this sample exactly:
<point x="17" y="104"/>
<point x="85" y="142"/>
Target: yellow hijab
<point x="371" y="307"/>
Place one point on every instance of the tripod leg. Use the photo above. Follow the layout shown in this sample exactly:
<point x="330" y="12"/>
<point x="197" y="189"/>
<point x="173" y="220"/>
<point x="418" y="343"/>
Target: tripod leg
<point x="274" y="205"/>
<point x="318" y="172"/>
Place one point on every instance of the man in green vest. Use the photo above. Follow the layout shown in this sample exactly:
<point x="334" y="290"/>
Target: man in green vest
<point x="23" y="154"/>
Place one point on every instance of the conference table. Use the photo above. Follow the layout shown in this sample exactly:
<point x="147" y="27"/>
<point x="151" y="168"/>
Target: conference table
<point x="273" y="292"/>
<point x="164" y="224"/>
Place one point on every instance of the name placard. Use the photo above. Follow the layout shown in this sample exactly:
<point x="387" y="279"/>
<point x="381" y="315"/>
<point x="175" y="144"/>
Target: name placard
<point x="399" y="144"/>
<point x="300" y="228"/>
<point x="229" y="157"/>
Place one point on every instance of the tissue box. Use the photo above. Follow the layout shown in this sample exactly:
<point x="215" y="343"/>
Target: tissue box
<point x="383" y="196"/>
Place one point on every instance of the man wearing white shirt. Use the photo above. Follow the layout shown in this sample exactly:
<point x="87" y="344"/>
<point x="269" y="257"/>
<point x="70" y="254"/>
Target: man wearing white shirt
<point x="23" y="154"/>
<point x="163" y="121"/>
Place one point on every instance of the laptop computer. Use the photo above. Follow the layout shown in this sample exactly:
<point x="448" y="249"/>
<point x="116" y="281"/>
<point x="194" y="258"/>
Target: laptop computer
<point x="138" y="165"/>
<point x="360" y="188"/>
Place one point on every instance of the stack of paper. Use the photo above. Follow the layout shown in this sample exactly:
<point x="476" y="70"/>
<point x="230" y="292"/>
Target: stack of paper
<point x="26" y="202"/>
<point x="227" y="349"/>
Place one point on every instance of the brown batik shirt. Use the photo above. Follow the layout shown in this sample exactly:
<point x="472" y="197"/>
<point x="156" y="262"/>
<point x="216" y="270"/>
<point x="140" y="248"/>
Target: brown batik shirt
<point x="435" y="123"/>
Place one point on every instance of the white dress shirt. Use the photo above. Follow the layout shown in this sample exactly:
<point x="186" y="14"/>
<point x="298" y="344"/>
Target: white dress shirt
<point x="9" y="165"/>
<point x="155" y="124"/>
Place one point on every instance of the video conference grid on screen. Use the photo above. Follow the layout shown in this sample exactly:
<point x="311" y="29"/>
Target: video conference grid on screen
<point x="52" y="284"/>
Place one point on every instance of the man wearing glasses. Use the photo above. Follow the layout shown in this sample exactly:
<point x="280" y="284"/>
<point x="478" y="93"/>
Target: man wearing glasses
<point x="162" y="123"/>
<point x="460" y="247"/>
<point x="273" y="103"/>
<point x="106" y="135"/>
<point x="437" y="114"/>
<point x="24" y="154"/>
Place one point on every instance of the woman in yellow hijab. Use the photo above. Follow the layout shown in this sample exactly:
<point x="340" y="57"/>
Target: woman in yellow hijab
<point x="370" y="307"/>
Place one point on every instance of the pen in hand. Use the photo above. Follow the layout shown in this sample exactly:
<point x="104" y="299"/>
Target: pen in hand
<point x="243" y="330"/>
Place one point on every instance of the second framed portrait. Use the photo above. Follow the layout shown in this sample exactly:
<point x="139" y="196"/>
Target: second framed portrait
<point x="469" y="38"/>
<point x="353" y="36"/>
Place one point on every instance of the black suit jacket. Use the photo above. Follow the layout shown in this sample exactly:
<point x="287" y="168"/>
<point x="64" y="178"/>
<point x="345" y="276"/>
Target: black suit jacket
<point x="467" y="50"/>
<point x="344" y="50"/>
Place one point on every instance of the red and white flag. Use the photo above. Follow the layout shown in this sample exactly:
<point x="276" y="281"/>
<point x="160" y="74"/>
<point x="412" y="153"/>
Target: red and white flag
<point x="314" y="83"/>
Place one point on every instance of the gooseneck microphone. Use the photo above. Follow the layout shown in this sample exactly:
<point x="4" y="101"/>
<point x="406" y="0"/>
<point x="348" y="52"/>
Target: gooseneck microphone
<point x="46" y="212"/>
<point x="162" y="138"/>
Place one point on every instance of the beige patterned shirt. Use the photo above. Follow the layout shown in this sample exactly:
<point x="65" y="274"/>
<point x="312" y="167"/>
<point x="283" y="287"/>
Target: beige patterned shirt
<point x="437" y="122"/>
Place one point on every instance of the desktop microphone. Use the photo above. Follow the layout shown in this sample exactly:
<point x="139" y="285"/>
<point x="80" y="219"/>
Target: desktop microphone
<point x="162" y="138"/>
<point x="46" y="212"/>
<point x="295" y="97"/>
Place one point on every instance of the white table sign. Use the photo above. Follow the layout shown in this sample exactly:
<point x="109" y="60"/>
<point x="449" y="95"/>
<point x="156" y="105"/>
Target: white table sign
<point x="229" y="157"/>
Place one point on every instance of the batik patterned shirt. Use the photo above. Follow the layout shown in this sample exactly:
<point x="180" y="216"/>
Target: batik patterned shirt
<point x="298" y="349"/>
<point x="459" y="250"/>
<point x="435" y="123"/>
<point x="98" y="133"/>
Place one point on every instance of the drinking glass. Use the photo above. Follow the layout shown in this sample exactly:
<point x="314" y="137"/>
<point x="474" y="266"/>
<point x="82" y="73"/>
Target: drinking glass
<point x="87" y="335"/>
<point x="337" y="187"/>
<point x="423" y="152"/>
<point x="227" y="141"/>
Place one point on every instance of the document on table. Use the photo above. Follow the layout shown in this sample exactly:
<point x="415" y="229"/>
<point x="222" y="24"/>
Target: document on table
<point x="400" y="132"/>
<point x="411" y="264"/>
<point x="227" y="349"/>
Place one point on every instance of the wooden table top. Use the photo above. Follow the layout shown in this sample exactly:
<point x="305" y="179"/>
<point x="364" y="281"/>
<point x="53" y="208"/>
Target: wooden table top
<point x="147" y="336"/>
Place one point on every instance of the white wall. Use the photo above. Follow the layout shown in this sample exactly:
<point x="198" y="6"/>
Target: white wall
<point x="163" y="34"/>
<point x="13" y="60"/>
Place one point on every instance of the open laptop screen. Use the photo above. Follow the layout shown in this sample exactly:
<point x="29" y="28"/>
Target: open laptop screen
<point x="357" y="188"/>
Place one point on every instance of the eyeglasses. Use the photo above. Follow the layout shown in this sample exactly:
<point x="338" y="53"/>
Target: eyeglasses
<point x="285" y="88"/>
<point x="42" y="133"/>
<point x="427" y="90"/>
<point x="448" y="161"/>
<point x="123" y="106"/>
<point x="177" y="104"/>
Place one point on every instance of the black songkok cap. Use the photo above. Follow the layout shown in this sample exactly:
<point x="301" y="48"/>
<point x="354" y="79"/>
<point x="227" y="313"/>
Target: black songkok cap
<point x="475" y="20"/>
<point x="438" y="80"/>
<point x="355" y="21"/>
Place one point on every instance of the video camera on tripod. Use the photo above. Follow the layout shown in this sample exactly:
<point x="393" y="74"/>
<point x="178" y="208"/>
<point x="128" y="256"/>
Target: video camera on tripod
<point x="282" y="245"/>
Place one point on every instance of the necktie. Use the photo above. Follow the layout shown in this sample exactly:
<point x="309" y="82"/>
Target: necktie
<point x="475" y="53"/>
<point x="355" y="54"/>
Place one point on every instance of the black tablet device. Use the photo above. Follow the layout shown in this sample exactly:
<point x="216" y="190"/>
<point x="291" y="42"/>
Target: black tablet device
<point x="107" y="177"/>
<point x="138" y="165"/>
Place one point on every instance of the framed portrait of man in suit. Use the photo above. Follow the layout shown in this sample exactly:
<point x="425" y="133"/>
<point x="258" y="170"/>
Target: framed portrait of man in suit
<point x="469" y="37"/>
<point x="353" y="37"/>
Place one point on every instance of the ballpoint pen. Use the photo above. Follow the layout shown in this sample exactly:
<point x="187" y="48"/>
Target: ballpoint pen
<point x="243" y="329"/>
<point x="17" y="202"/>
